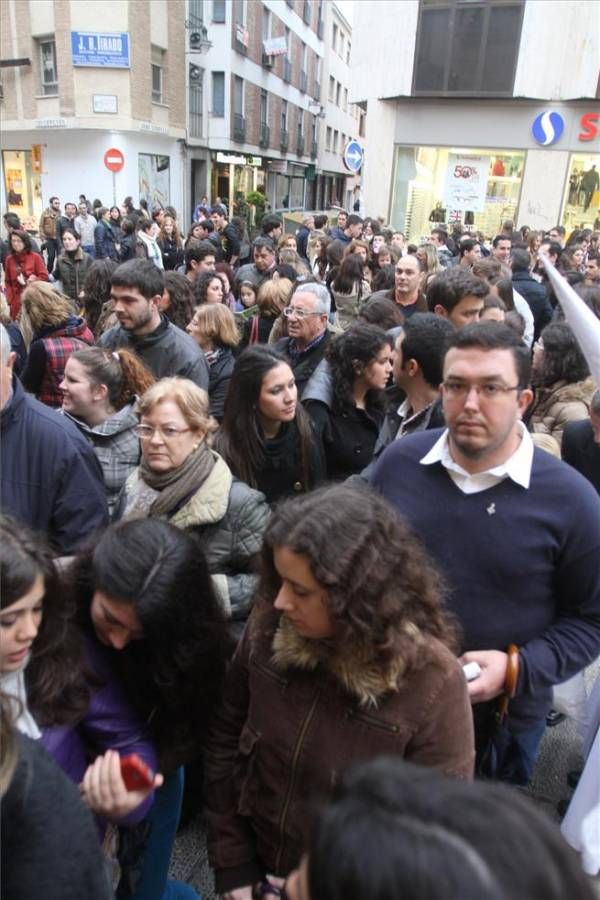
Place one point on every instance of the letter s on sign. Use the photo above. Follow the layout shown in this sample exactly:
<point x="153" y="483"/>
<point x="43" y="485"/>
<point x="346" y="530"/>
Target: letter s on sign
<point x="589" y="126"/>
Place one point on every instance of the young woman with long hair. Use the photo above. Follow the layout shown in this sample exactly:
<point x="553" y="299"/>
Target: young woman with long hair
<point x="214" y="329"/>
<point x="347" y="405"/>
<point x="178" y="299"/>
<point x="272" y="298"/>
<point x="170" y="243"/>
<point x="266" y="438"/>
<point x="209" y="287"/>
<point x="96" y="293"/>
<point x="22" y="267"/>
<point x="100" y="390"/>
<point x="350" y="290"/>
<point x="57" y="333"/>
<point x="348" y="655"/>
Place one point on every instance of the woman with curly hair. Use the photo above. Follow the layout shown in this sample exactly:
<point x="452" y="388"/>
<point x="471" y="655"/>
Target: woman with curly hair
<point x="346" y="403"/>
<point x="97" y="305"/>
<point x="562" y="381"/>
<point x="178" y="299"/>
<point x="209" y="287"/>
<point x="347" y="656"/>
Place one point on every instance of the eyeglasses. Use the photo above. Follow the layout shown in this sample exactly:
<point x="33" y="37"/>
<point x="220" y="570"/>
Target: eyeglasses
<point x="291" y="312"/>
<point x="167" y="432"/>
<point x="491" y="390"/>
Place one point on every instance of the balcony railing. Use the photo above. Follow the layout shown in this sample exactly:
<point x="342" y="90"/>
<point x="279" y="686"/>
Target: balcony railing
<point x="300" y="145"/>
<point x="265" y="133"/>
<point x="287" y="70"/>
<point x="314" y="149"/>
<point x="284" y="140"/>
<point x="239" y="128"/>
<point x="303" y="80"/>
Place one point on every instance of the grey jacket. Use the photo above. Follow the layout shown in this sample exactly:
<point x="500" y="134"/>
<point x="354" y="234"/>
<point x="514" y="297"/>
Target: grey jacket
<point x="229" y="518"/>
<point x="117" y="447"/>
<point x="166" y="351"/>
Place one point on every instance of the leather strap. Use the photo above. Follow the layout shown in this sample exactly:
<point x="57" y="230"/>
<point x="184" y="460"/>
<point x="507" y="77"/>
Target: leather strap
<point x="510" y="682"/>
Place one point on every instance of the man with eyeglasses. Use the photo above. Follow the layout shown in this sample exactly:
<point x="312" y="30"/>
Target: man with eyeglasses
<point x="137" y="287"/>
<point x="306" y="318"/>
<point x="516" y="534"/>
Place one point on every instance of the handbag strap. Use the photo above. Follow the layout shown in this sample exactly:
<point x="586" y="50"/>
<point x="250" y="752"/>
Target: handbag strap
<point x="254" y="330"/>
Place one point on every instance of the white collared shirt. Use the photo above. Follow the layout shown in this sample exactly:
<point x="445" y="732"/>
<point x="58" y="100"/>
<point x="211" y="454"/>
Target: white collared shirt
<point x="517" y="466"/>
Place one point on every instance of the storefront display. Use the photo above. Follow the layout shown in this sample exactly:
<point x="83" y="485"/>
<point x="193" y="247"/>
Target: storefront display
<point x="22" y="185"/>
<point x="581" y="207"/>
<point x="154" y="185"/>
<point x="451" y="185"/>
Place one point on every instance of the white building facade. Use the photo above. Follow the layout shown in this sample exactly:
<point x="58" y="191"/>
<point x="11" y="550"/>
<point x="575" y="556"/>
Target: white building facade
<point x="502" y="92"/>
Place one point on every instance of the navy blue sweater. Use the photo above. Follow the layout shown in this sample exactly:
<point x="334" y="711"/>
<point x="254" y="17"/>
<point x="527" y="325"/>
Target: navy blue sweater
<point x="527" y="574"/>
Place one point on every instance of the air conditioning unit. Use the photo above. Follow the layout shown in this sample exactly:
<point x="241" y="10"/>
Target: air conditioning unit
<point x="195" y="74"/>
<point x="267" y="61"/>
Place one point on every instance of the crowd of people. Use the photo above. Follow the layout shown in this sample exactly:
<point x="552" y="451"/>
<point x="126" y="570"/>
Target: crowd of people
<point x="290" y="521"/>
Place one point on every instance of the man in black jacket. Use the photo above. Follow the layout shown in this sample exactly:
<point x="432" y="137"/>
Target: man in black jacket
<point x="306" y="316"/>
<point x="581" y="444"/>
<point x="50" y="476"/>
<point x="136" y="288"/>
<point x="532" y="290"/>
<point x="230" y="240"/>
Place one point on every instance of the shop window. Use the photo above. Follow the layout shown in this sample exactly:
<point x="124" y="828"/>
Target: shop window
<point x="218" y="94"/>
<point x="463" y="48"/>
<point x="153" y="175"/>
<point x="22" y="185"/>
<point x="158" y="75"/>
<point x="582" y="195"/>
<point x="48" y="69"/>
<point x="218" y="11"/>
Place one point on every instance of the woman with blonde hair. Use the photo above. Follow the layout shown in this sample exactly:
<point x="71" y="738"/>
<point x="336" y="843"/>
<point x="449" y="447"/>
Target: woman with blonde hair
<point x="214" y="330"/>
<point x="271" y="300"/>
<point x="430" y="264"/>
<point x="100" y="390"/>
<point x="170" y="244"/>
<point x="181" y="480"/>
<point x="56" y="333"/>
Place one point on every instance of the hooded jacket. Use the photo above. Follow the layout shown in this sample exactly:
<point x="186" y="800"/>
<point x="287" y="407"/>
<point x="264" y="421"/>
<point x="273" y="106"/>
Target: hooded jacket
<point x="48" y="355"/>
<point x="50" y="478"/>
<point x="229" y="518"/>
<point x="166" y="351"/>
<point x="560" y="403"/>
<point x="117" y="447"/>
<point x="298" y="711"/>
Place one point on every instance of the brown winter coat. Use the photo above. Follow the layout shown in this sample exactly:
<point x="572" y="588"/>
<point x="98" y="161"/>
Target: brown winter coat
<point x="295" y="713"/>
<point x="561" y="403"/>
<point x="48" y="221"/>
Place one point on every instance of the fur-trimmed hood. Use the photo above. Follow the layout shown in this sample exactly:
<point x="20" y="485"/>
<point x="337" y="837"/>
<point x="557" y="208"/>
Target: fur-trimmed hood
<point x="354" y="665"/>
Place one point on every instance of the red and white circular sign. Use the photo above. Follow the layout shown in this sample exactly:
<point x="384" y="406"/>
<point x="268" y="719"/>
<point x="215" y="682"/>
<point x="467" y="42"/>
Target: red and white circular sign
<point x="114" y="160"/>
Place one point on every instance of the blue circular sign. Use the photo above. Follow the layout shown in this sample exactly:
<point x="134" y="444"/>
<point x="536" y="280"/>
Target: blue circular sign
<point x="547" y="127"/>
<point x="353" y="156"/>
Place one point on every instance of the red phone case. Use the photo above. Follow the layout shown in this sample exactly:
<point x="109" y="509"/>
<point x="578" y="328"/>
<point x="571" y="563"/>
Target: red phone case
<point x="136" y="774"/>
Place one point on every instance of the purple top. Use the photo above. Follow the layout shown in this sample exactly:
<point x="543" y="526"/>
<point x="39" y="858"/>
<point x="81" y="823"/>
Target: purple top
<point x="110" y="723"/>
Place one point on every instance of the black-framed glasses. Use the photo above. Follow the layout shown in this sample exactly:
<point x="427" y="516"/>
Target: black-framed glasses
<point x="489" y="390"/>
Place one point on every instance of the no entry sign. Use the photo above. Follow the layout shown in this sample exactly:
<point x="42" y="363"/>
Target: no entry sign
<point x="114" y="160"/>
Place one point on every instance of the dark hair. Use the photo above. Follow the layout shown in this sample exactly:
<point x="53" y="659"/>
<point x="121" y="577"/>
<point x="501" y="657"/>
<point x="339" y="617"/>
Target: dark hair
<point x="96" y="289"/>
<point x="140" y="274"/>
<point x="24" y="237"/>
<point x="563" y="359"/>
<point x="203" y="223"/>
<point x="560" y="229"/>
<point x="269" y="224"/>
<point x="385" y="278"/>
<point x="173" y="675"/>
<point x="520" y="260"/>
<point x="240" y="440"/>
<point x="285" y="271"/>
<point x="394" y="830"/>
<point x="127" y="225"/>
<point x="504" y="286"/>
<point x="383" y="591"/>
<point x="335" y="252"/>
<point x="489" y="267"/>
<point x="262" y="242"/>
<point x="181" y="295"/>
<point x="223" y="268"/>
<point x="501" y="237"/>
<point x="128" y="204"/>
<point x="449" y="287"/>
<point x="441" y="233"/>
<point x="56" y="198"/>
<point x="515" y="321"/>
<point x="199" y="252"/>
<point x="118" y="221"/>
<point x="56" y="690"/>
<point x="383" y="312"/>
<point x="353" y="219"/>
<point x="72" y="232"/>
<point x="356" y="347"/>
<point x="146" y="225"/>
<point x="554" y="248"/>
<point x="492" y="302"/>
<point x="590" y="294"/>
<point x="349" y="275"/>
<point x="218" y="211"/>
<point x="122" y="371"/>
<point x="466" y="246"/>
<point x="425" y="339"/>
<point x="495" y="336"/>
<point x="201" y="285"/>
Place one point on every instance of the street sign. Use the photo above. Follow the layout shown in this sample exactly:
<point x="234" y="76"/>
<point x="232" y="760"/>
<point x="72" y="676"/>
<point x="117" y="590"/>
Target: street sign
<point x="114" y="160"/>
<point x="353" y="156"/>
<point x="100" y="50"/>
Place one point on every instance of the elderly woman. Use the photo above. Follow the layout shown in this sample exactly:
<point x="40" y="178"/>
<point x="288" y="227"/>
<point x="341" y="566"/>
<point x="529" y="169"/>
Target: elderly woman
<point x="180" y="479"/>
<point x="57" y="333"/>
<point x="348" y="655"/>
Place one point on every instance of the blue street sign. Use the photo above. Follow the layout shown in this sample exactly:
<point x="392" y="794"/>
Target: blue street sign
<point x="353" y="156"/>
<point x="100" y="49"/>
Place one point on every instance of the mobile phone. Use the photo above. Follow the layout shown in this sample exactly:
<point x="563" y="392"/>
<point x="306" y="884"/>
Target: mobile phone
<point x="136" y="774"/>
<point x="472" y="671"/>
